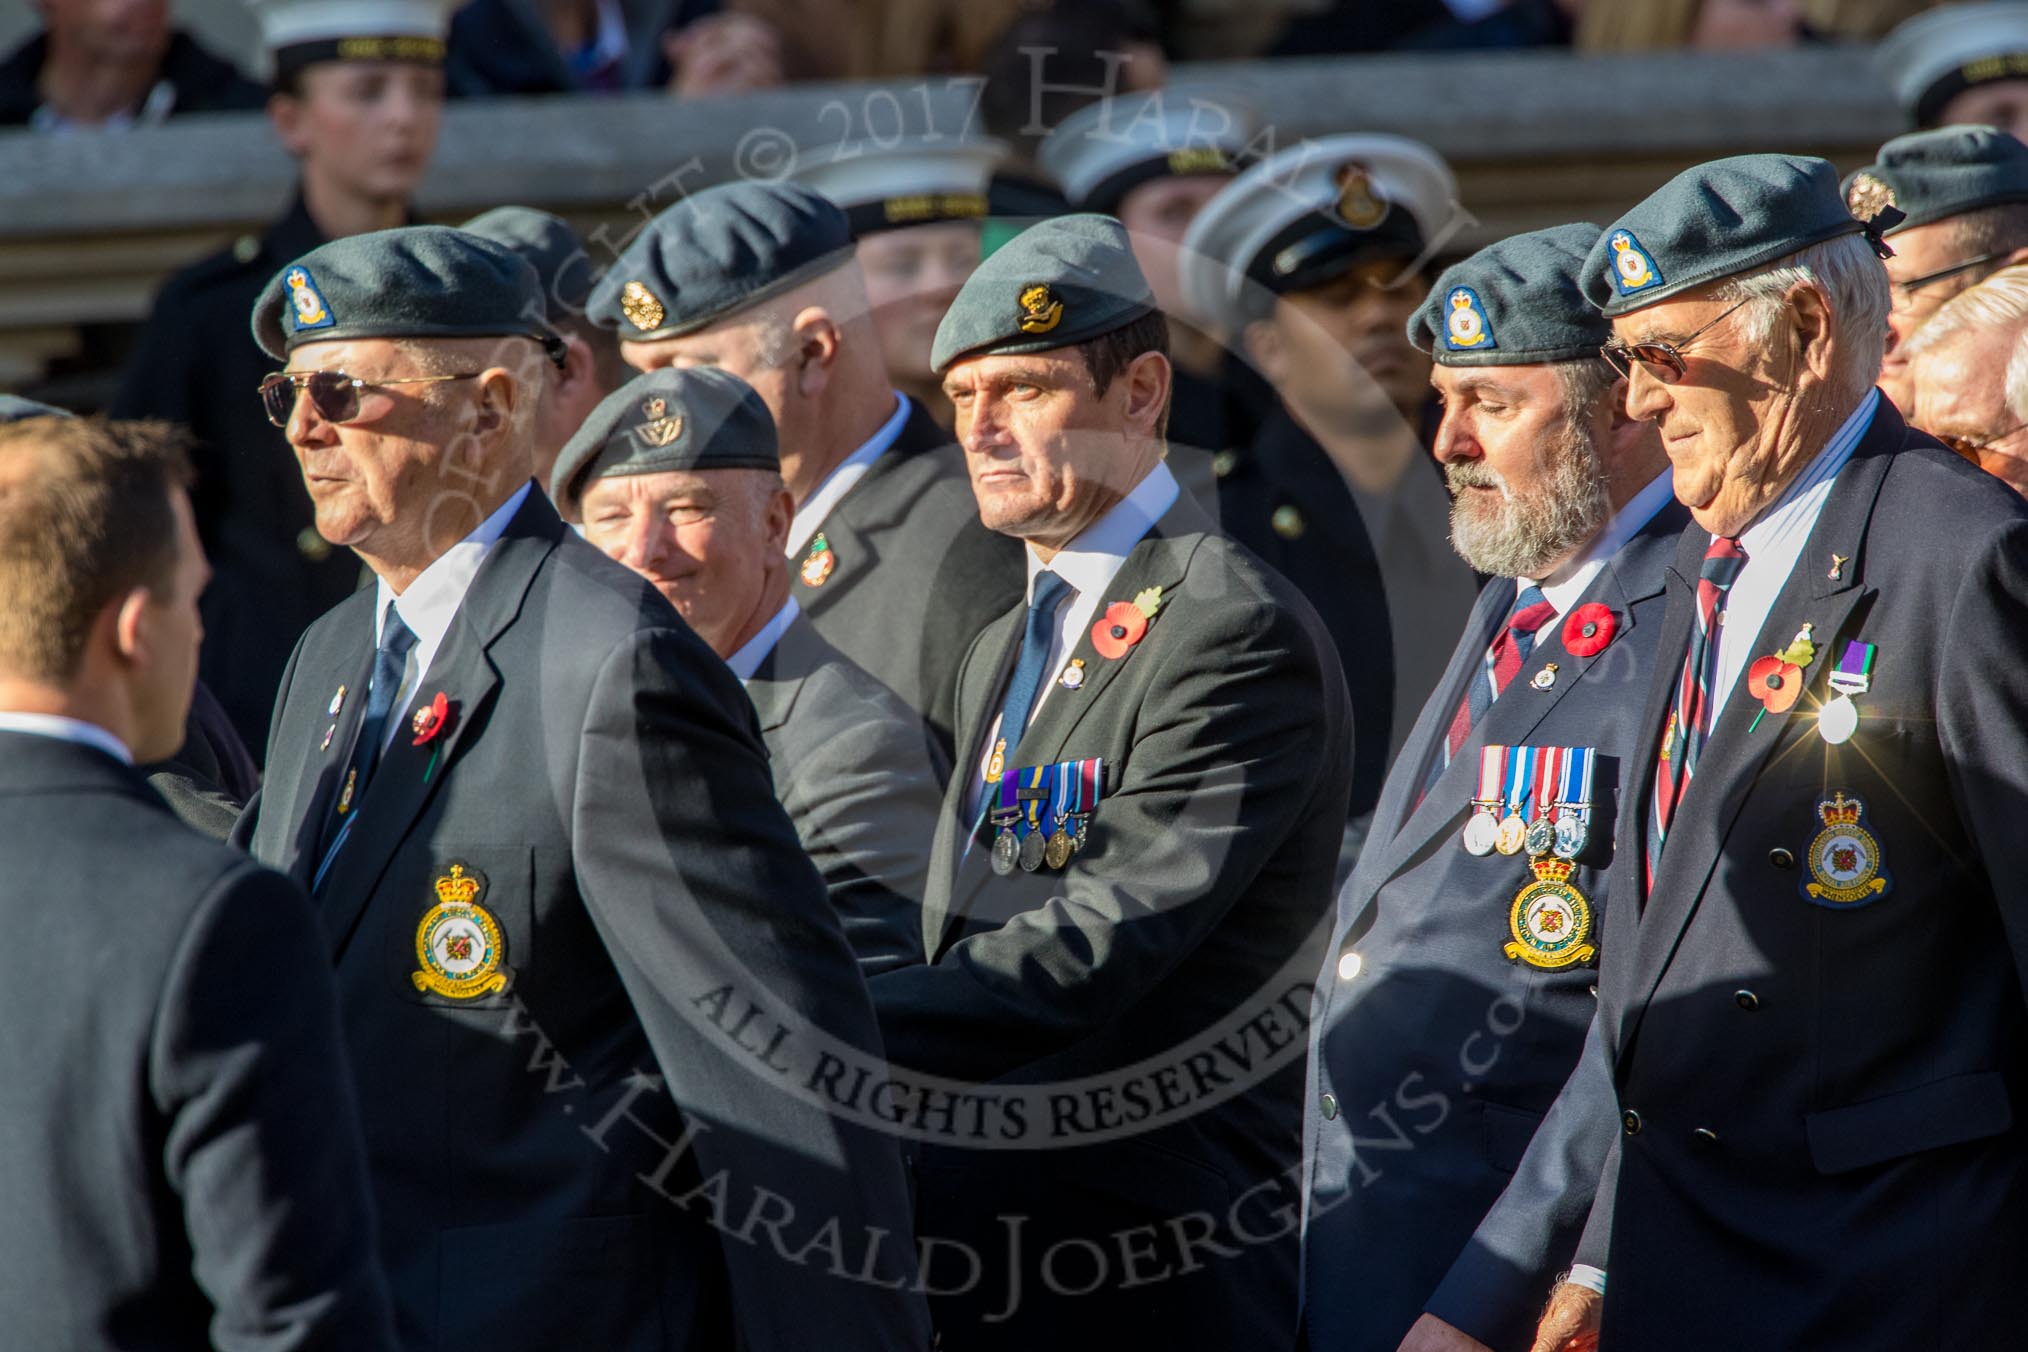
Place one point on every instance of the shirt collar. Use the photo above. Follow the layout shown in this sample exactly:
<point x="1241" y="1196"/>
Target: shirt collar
<point x="840" y="480"/>
<point x="1805" y="492"/>
<point x="1562" y="588"/>
<point x="755" y="650"/>
<point x="432" y="600"/>
<point x="1090" y="561"/>
<point x="66" y="730"/>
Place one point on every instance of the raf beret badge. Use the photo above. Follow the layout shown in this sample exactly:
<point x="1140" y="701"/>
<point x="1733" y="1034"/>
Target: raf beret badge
<point x="1633" y="268"/>
<point x="641" y="307"/>
<point x="307" y="302"/>
<point x="1465" y="325"/>
<point x="1041" y="311"/>
<point x="1868" y="196"/>
<point x="661" y="427"/>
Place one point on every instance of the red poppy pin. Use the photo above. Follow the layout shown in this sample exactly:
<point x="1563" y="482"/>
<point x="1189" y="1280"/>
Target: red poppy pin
<point x="1777" y="680"/>
<point x="431" y="719"/>
<point x="1125" y="623"/>
<point x="1589" y="629"/>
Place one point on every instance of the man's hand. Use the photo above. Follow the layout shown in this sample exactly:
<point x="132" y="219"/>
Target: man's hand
<point x="1432" y="1334"/>
<point x="1570" y="1324"/>
<point x="726" y="53"/>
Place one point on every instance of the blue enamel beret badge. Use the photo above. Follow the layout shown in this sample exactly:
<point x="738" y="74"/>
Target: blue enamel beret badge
<point x="1466" y="327"/>
<point x="1633" y="268"/>
<point x="306" y="302"/>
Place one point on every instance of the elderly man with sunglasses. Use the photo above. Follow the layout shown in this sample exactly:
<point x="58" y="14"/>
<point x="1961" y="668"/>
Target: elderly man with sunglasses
<point x="1970" y="364"/>
<point x="1810" y="999"/>
<point x="1963" y="196"/>
<point x="576" y="941"/>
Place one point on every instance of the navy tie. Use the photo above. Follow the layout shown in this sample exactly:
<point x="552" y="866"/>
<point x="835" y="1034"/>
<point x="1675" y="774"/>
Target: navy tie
<point x="1036" y="637"/>
<point x="390" y="661"/>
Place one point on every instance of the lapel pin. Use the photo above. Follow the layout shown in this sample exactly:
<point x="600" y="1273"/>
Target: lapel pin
<point x="818" y="563"/>
<point x="337" y="701"/>
<point x="1073" y="675"/>
<point x="329" y="733"/>
<point x="1837" y="567"/>
<point x="1546" y="678"/>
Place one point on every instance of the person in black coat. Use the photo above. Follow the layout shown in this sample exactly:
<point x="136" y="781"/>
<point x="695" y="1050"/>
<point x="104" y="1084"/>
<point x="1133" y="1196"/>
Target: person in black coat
<point x="179" y="1145"/>
<point x="584" y="968"/>
<point x="361" y="118"/>
<point x="114" y="66"/>
<point x="1812" y="1015"/>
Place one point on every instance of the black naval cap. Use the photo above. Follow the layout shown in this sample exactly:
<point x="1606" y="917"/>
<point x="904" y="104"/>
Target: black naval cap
<point x="1058" y="283"/>
<point x="687" y="418"/>
<point x="547" y="244"/>
<point x="1514" y="303"/>
<point x="417" y="281"/>
<point x="1719" y="220"/>
<point x="14" y="408"/>
<point x="717" y="252"/>
<point x="1931" y="176"/>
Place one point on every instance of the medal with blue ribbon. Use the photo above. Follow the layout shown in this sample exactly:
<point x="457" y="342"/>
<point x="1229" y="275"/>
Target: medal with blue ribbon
<point x="1573" y="802"/>
<point x="1519" y="774"/>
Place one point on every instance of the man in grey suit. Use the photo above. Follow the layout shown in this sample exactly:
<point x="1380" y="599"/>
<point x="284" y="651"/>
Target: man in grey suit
<point x="576" y="940"/>
<point x="1439" y="1201"/>
<point x="892" y="566"/>
<point x="1135" y="853"/>
<point x="677" y="476"/>
<point x="179" y="1146"/>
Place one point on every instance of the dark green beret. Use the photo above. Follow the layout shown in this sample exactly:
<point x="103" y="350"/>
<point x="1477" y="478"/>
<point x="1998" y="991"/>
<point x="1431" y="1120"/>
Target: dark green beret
<point x="715" y="253"/>
<point x="688" y="418"/>
<point x="418" y="281"/>
<point x="13" y="408"/>
<point x="547" y="244"/>
<point x="1717" y="220"/>
<point x="1057" y="283"/>
<point x="1515" y="303"/>
<point x="1933" y="175"/>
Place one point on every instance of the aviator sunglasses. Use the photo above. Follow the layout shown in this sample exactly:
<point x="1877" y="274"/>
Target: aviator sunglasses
<point x="1663" y="360"/>
<point x="333" y="394"/>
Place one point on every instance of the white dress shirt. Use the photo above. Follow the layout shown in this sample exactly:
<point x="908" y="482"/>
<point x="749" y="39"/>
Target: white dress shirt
<point x="432" y="600"/>
<point x="755" y="650"/>
<point x="67" y="730"/>
<point x="1773" y="544"/>
<point x="810" y="516"/>
<point x="1563" y="588"/>
<point x="1088" y="563"/>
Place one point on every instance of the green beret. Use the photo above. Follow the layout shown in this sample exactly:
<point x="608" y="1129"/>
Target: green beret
<point x="1715" y="221"/>
<point x="717" y="252"/>
<point x="1515" y="303"/>
<point x="1933" y="175"/>
<point x="1056" y="284"/>
<point x="547" y="244"/>
<point x="418" y="281"/>
<point x="688" y="418"/>
<point x="13" y="408"/>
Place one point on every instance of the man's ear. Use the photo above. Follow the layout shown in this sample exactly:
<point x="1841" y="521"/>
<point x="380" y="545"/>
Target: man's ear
<point x="1148" y="378"/>
<point x="815" y="339"/>
<point x="1262" y="340"/>
<point x="1814" y="328"/>
<point x="131" y="629"/>
<point x="286" y="115"/>
<point x="781" y="514"/>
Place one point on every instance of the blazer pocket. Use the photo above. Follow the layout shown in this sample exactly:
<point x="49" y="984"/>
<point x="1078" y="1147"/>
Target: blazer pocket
<point x="473" y="911"/>
<point x="585" y="1282"/>
<point x="1507" y="1132"/>
<point x="1943" y="1112"/>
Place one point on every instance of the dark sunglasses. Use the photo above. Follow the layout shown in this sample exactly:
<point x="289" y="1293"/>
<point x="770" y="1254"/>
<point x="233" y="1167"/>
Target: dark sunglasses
<point x="1663" y="360"/>
<point x="333" y="394"/>
<point x="1915" y="284"/>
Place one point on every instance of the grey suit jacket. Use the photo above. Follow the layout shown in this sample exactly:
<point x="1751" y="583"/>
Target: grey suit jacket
<point x="180" y="1151"/>
<point x="1441" y="1055"/>
<point x="915" y="576"/>
<point x="854" y="775"/>
<point x="602" y="781"/>
<point x="1197" y="904"/>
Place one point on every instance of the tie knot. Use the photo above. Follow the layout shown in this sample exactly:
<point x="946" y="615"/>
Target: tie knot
<point x="1050" y="589"/>
<point x="395" y="636"/>
<point x="1531" y="611"/>
<point x="1723" y="561"/>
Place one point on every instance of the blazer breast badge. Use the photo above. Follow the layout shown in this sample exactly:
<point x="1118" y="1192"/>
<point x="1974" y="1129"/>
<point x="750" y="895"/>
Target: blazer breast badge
<point x="462" y="954"/>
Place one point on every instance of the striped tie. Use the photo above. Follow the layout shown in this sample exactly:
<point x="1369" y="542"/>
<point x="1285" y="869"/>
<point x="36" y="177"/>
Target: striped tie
<point x="1690" y="713"/>
<point x="1501" y="664"/>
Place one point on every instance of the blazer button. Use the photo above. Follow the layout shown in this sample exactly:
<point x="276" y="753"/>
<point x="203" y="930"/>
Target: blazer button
<point x="1746" y="1000"/>
<point x="1704" y="1136"/>
<point x="1630" y="1121"/>
<point x="1329" y="1104"/>
<point x="1781" y="858"/>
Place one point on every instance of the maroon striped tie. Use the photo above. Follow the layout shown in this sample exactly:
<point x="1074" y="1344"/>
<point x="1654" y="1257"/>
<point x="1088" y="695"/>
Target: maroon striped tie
<point x="1690" y="712"/>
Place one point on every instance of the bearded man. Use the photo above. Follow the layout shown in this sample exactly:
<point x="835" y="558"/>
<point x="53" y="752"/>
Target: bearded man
<point x="1439" y="1189"/>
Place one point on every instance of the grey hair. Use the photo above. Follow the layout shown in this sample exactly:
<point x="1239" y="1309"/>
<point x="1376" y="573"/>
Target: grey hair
<point x="1584" y="381"/>
<point x="1850" y="276"/>
<point x="2000" y="302"/>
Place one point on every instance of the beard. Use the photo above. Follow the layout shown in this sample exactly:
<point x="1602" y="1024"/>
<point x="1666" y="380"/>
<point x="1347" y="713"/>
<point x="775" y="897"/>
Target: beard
<point x="1528" y="532"/>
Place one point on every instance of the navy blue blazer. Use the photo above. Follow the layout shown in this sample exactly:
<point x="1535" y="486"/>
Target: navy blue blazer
<point x="1819" y="1146"/>
<point x="1441" y="1055"/>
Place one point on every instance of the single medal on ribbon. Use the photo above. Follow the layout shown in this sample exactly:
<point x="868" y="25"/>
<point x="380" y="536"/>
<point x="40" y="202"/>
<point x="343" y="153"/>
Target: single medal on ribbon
<point x="1036" y="795"/>
<point x="1057" y="849"/>
<point x="1006" y="816"/>
<point x="1090" y="775"/>
<point x="1482" y="829"/>
<point x="1573" y="805"/>
<point x="1839" y="719"/>
<point x="1519" y="776"/>
<point x="1541" y="832"/>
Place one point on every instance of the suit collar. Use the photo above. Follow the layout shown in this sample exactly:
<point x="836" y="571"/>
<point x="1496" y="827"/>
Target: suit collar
<point x="33" y="763"/>
<point x="778" y="680"/>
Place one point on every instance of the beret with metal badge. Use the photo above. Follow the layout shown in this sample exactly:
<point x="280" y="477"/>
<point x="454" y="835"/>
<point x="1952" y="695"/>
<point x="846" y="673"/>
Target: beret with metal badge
<point x="1931" y="176"/>
<point x="717" y="252"/>
<point x="677" y="418"/>
<point x="547" y="244"/>
<point x="1719" y="220"/>
<point x="1514" y="303"/>
<point x="416" y="281"/>
<point x="1058" y="283"/>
